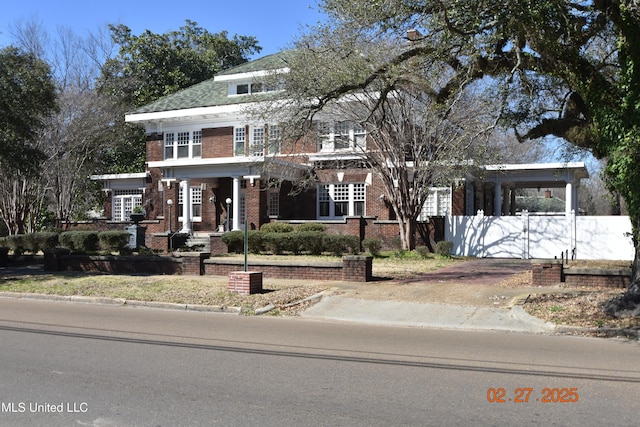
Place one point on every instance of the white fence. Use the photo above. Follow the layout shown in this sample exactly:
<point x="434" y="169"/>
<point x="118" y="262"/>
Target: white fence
<point x="531" y="236"/>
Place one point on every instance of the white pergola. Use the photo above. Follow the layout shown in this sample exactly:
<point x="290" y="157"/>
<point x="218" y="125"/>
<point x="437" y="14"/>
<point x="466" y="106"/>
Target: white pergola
<point x="508" y="177"/>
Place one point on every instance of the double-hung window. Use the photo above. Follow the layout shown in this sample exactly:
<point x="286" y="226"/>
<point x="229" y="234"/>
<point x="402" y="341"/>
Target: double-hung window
<point x="256" y="145"/>
<point x="340" y="135"/>
<point x="340" y="200"/>
<point x="183" y="145"/>
<point x="239" y="140"/>
<point x="273" y="139"/>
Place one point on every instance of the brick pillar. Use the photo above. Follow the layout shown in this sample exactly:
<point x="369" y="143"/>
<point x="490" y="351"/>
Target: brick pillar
<point x="245" y="282"/>
<point x="357" y="268"/>
<point x="546" y="272"/>
<point x="193" y="262"/>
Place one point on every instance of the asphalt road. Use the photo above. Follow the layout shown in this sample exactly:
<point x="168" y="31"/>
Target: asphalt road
<point x="118" y="366"/>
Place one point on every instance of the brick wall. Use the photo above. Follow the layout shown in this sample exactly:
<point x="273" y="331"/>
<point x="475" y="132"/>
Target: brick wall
<point x="217" y="142"/>
<point x="601" y="278"/>
<point x="552" y="272"/>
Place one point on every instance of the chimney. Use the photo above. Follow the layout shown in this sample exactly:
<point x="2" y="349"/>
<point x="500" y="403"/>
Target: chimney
<point x="413" y="35"/>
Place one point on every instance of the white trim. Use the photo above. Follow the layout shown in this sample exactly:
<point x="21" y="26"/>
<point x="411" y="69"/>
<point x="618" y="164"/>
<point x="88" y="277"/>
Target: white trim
<point x="250" y="75"/>
<point x="138" y="175"/>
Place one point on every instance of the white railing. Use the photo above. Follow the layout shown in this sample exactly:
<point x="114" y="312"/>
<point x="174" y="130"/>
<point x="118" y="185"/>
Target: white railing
<point x="530" y="236"/>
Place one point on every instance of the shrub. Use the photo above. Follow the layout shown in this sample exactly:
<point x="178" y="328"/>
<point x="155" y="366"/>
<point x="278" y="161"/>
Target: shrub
<point x="310" y="241"/>
<point x="372" y="245"/>
<point x="234" y="241"/>
<point x="47" y="240"/>
<point x="311" y="226"/>
<point x="80" y="241"/>
<point x="338" y="244"/>
<point x="16" y="242"/>
<point x="277" y="243"/>
<point x="256" y="241"/>
<point x="423" y="252"/>
<point x="276" y="227"/>
<point x="114" y="241"/>
<point x="444" y="248"/>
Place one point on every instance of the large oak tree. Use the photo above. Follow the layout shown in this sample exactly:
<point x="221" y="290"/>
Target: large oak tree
<point x="565" y="69"/>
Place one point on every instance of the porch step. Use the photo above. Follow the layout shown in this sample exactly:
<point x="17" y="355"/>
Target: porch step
<point x="201" y="240"/>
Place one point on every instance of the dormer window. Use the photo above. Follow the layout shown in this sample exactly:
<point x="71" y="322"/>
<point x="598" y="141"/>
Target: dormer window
<point x="248" y="88"/>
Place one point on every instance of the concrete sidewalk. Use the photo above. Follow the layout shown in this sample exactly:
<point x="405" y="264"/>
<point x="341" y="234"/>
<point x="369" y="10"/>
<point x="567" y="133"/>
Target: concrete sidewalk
<point x="423" y="310"/>
<point x="426" y="315"/>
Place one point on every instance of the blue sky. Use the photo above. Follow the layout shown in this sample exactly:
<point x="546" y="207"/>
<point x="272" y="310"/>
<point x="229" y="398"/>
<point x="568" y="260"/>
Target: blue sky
<point x="274" y="23"/>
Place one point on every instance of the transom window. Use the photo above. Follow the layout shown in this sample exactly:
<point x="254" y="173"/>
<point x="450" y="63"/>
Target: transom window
<point x="340" y="200"/>
<point x="183" y="145"/>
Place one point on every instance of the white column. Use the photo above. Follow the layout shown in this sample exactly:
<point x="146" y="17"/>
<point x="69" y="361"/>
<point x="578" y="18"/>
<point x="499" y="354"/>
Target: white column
<point x="497" y="203"/>
<point x="185" y="188"/>
<point x="236" y="204"/>
<point x="568" y="206"/>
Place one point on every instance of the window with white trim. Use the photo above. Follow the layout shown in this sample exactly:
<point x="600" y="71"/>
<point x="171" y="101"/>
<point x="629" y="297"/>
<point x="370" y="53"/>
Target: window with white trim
<point x="438" y="203"/>
<point x="342" y="135"/>
<point x="273" y="139"/>
<point x="239" y="140"/>
<point x="256" y="145"/>
<point x="259" y="137"/>
<point x="123" y="203"/>
<point x="195" y="194"/>
<point x="340" y="200"/>
<point x="183" y="145"/>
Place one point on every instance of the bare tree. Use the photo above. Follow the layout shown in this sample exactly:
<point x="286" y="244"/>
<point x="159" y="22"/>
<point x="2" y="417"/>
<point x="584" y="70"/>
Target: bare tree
<point x="75" y="134"/>
<point x="415" y="137"/>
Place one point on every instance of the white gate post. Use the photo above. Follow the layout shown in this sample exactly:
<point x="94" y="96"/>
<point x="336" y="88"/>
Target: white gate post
<point x="525" y="234"/>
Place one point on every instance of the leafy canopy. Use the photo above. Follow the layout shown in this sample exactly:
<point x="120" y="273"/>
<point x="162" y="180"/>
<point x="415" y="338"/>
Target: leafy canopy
<point x="27" y="97"/>
<point x="152" y="65"/>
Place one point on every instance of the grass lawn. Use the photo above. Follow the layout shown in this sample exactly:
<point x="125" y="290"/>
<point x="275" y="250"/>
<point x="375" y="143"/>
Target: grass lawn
<point x="206" y="290"/>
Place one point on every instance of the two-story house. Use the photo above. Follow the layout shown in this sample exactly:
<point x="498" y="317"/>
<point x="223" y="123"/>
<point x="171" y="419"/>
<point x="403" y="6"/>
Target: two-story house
<point x="211" y="166"/>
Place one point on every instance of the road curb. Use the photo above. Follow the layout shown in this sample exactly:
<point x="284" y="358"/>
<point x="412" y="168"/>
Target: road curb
<point x="123" y="302"/>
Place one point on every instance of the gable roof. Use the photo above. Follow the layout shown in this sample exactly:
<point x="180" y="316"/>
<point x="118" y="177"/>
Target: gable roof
<point x="214" y="92"/>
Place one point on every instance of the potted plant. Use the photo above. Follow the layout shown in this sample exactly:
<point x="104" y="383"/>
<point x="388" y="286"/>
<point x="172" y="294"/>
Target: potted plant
<point x="137" y="214"/>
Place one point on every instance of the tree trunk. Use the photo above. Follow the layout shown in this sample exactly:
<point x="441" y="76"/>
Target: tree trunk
<point x="407" y="233"/>
<point x="629" y="303"/>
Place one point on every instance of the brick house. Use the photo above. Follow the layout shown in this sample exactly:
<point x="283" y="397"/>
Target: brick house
<point x="210" y="167"/>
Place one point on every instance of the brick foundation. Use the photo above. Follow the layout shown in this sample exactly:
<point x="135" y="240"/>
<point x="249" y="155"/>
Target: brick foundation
<point x="245" y="282"/>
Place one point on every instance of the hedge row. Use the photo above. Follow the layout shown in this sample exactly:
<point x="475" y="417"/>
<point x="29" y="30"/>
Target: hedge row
<point x="296" y="242"/>
<point x="75" y="241"/>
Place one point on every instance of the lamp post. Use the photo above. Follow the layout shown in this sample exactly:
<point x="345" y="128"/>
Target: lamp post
<point x="169" y="204"/>
<point x="228" y="213"/>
